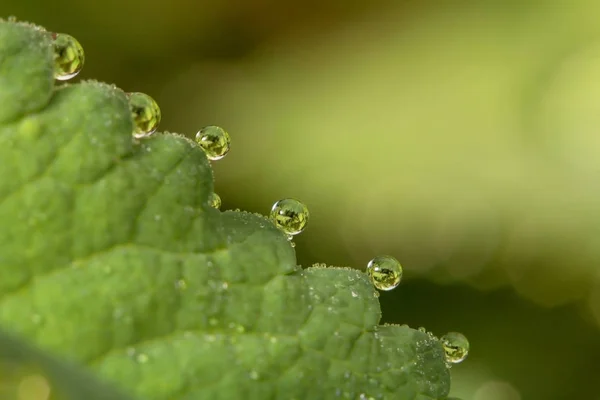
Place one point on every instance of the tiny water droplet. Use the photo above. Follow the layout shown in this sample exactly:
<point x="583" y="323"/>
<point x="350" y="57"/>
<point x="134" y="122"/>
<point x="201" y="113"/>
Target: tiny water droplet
<point x="142" y="358"/>
<point x="456" y="346"/>
<point x="145" y="113"/>
<point x="214" y="200"/>
<point x="214" y="141"/>
<point x="225" y="285"/>
<point x="68" y="56"/>
<point x="237" y="327"/>
<point x="354" y="294"/>
<point x="253" y="375"/>
<point x="385" y="272"/>
<point x="181" y="284"/>
<point x="422" y="329"/>
<point x="290" y="215"/>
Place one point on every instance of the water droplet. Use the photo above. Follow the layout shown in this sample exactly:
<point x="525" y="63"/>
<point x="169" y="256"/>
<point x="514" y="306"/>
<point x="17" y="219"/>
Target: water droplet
<point x="145" y="113"/>
<point x="422" y="329"/>
<point x="385" y="272"/>
<point x="236" y="327"/>
<point x="214" y="200"/>
<point x="456" y="347"/>
<point x="354" y="294"/>
<point x="142" y="358"/>
<point x="68" y="56"/>
<point x="210" y="338"/>
<point x="181" y="284"/>
<point x="254" y="375"/>
<point x="290" y="215"/>
<point x="214" y="141"/>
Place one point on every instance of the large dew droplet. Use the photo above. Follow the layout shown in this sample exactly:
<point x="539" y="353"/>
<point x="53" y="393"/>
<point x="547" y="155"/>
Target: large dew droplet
<point x="145" y="113"/>
<point x="214" y="200"/>
<point x="290" y="215"/>
<point x="68" y="56"/>
<point x="385" y="272"/>
<point x="214" y="141"/>
<point x="456" y="347"/>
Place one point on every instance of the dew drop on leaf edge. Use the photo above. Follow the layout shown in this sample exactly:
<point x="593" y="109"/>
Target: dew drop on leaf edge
<point x="68" y="56"/>
<point x="385" y="272"/>
<point x="290" y="216"/>
<point x="145" y="113"/>
<point x="214" y="200"/>
<point x="214" y="140"/>
<point x="456" y="347"/>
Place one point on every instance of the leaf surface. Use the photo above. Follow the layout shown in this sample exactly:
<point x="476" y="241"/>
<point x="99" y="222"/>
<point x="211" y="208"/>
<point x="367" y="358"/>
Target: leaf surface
<point x="111" y="256"/>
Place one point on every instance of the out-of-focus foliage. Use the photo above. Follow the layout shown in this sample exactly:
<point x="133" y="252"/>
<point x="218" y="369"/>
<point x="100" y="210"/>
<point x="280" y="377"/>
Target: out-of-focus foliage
<point x="457" y="136"/>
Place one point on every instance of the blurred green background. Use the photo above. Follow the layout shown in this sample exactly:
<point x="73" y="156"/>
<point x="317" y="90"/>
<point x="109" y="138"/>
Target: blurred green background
<point x="461" y="137"/>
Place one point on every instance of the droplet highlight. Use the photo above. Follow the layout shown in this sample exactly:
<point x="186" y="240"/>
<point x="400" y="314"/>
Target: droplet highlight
<point x="456" y="347"/>
<point x="68" y="56"/>
<point x="214" y="140"/>
<point x="214" y="200"/>
<point x="145" y="113"/>
<point x="385" y="272"/>
<point x="290" y="215"/>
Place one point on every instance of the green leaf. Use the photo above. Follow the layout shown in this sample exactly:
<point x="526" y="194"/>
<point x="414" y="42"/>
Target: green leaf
<point x="111" y="256"/>
<point x="20" y="362"/>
